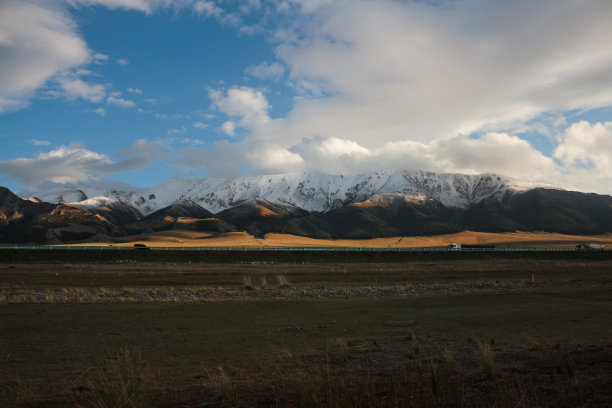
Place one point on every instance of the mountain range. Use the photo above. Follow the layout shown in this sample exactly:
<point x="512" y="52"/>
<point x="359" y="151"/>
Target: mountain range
<point x="314" y="204"/>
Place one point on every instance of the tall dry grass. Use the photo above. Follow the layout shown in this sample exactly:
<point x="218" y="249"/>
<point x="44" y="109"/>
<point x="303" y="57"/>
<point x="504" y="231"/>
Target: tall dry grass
<point x="124" y="383"/>
<point x="486" y="357"/>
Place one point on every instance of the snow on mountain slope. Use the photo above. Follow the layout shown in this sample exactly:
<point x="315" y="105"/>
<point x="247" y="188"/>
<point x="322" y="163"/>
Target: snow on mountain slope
<point x="313" y="191"/>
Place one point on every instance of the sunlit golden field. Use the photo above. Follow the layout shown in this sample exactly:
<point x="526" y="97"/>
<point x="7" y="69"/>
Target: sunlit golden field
<point x="180" y="238"/>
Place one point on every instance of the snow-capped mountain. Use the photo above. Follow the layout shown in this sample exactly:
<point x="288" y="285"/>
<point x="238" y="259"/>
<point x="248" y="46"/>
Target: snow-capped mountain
<point x="314" y="204"/>
<point x="312" y="192"/>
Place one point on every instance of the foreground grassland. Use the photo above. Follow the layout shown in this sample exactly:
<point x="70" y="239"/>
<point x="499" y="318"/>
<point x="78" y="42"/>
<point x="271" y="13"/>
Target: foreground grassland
<point x="426" y="333"/>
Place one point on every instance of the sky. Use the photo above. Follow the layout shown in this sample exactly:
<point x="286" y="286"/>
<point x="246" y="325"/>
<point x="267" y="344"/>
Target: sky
<point x="137" y="92"/>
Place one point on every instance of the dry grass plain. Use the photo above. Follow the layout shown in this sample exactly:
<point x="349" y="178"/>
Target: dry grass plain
<point x="184" y="238"/>
<point x="500" y="332"/>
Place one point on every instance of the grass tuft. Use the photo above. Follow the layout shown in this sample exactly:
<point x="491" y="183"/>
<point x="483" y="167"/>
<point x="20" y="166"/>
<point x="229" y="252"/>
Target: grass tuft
<point x="247" y="282"/>
<point x="283" y="282"/>
<point x="126" y="383"/>
<point x="224" y="385"/>
<point x="486" y="357"/>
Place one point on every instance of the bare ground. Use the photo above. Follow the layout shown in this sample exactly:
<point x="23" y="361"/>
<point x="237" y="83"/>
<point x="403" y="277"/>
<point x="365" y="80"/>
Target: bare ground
<point x="464" y="333"/>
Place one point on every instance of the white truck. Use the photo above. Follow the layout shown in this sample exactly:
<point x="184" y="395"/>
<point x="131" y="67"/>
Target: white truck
<point x="589" y="247"/>
<point x="454" y="247"/>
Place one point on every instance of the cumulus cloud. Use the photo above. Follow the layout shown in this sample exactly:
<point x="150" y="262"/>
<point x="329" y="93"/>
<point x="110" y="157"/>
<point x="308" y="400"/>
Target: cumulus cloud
<point x="146" y="6"/>
<point x="99" y="58"/>
<point x="114" y="99"/>
<point x="100" y="111"/>
<point x="73" y="88"/>
<point x="492" y="152"/>
<point x="142" y="152"/>
<point x="273" y="159"/>
<point x="70" y="163"/>
<point x="208" y="8"/>
<point x="35" y="43"/>
<point x="176" y="131"/>
<point x="387" y="84"/>
<point x="192" y="142"/>
<point x="228" y="128"/>
<point x="76" y="163"/>
<point x="39" y="40"/>
<point x="123" y="62"/>
<point x="200" y="125"/>
<point x="585" y="150"/>
<point x="265" y="70"/>
<point x="330" y="147"/>
<point x="380" y="84"/>
<point x="135" y="91"/>
<point x="587" y="145"/>
<point x="582" y="158"/>
<point x="37" y="142"/>
<point x="383" y="71"/>
<point x="247" y="105"/>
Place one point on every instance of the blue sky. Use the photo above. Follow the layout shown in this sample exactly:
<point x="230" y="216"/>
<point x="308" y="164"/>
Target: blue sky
<point x="141" y="91"/>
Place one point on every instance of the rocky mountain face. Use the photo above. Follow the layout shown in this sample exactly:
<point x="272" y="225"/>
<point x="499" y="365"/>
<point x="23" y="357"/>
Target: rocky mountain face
<point x="311" y="204"/>
<point x="39" y="222"/>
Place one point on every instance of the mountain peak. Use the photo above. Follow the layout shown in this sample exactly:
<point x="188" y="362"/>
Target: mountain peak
<point x="310" y="191"/>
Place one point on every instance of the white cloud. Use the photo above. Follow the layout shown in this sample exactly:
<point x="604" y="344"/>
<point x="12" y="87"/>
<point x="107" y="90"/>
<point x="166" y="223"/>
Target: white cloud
<point x="310" y="6"/>
<point x="330" y="147"/>
<point x="36" y="42"/>
<point x="493" y="152"/>
<point x="100" y="111"/>
<point x="247" y="104"/>
<point x="66" y="164"/>
<point x="73" y="88"/>
<point x="39" y="40"/>
<point x="114" y="99"/>
<point x="381" y="83"/>
<point x="142" y="153"/>
<point x="383" y="71"/>
<point x="200" y="125"/>
<point x="74" y="163"/>
<point x="265" y="70"/>
<point x="585" y="151"/>
<point x="123" y="62"/>
<point x="146" y="6"/>
<point x="37" y="142"/>
<point x="228" y="128"/>
<point x="208" y="8"/>
<point x="205" y="7"/>
<point x="274" y="159"/>
<point x="11" y="105"/>
<point x="177" y="131"/>
<point x="135" y="91"/>
<point x="99" y="58"/>
<point x="587" y="145"/>
<point x="395" y="85"/>
<point x="192" y="142"/>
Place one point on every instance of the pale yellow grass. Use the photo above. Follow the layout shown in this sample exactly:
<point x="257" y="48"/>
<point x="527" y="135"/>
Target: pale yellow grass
<point x="178" y="238"/>
<point x="187" y="220"/>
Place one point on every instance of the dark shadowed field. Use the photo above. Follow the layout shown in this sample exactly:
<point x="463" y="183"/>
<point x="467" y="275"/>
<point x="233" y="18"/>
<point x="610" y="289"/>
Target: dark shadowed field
<point x="463" y="332"/>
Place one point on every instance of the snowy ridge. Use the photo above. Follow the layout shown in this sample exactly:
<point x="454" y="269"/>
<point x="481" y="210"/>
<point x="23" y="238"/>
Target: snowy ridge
<point x="312" y="191"/>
